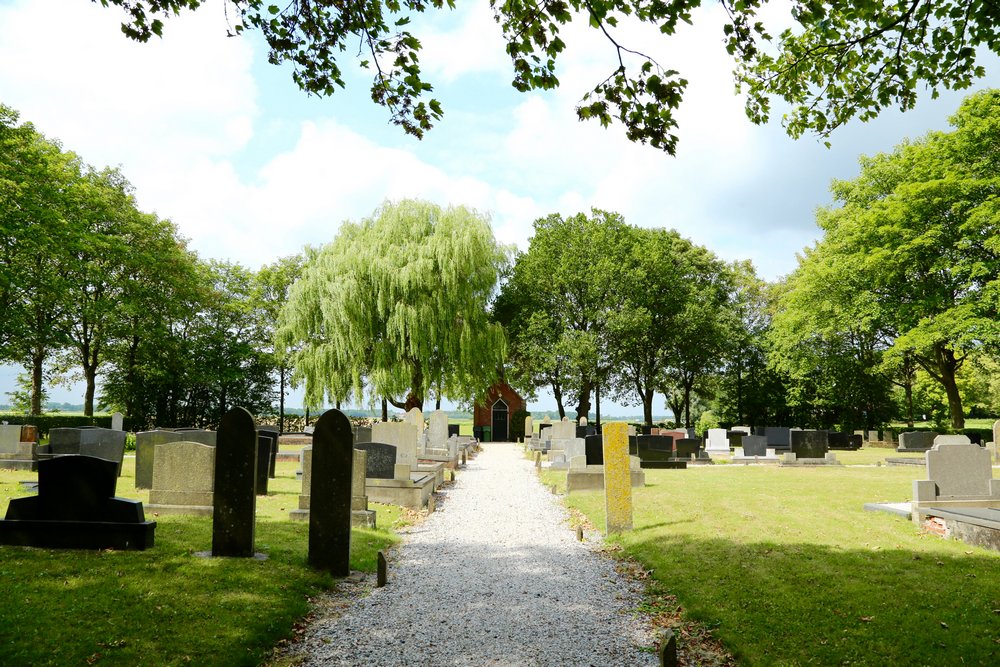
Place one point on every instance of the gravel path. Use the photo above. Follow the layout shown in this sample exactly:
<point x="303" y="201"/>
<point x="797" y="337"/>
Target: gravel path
<point x="494" y="577"/>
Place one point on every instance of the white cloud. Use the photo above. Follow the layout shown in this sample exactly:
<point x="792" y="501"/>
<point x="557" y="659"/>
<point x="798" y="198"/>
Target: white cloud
<point x="473" y="45"/>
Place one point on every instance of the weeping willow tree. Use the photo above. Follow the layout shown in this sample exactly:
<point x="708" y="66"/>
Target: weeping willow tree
<point x="397" y="304"/>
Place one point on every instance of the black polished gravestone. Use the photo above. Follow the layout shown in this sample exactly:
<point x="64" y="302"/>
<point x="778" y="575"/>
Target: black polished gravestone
<point x="265" y="445"/>
<point x="654" y="447"/>
<point x="593" y="446"/>
<point x="685" y="447"/>
<point x="810" y="444"/>
<point x="76" y="508"/>
<point x="234" y="500"/>
<point x="275" y="434"/>
<point x="453" y="429"/>
<point x="381" y="459"/>
<point x="845" y="441"/>
<point x="330" y="500"/>
<point x="94" y="441"/>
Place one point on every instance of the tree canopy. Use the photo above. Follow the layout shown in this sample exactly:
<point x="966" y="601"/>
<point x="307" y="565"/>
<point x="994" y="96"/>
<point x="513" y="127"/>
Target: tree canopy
<point x="397" y="305"/>
<point x="839" y="60"/>
<point x="909" y="265"/>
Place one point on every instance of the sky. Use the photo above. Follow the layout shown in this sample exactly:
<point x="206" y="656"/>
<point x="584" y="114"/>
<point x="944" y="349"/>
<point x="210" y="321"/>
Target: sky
<point x="251" y="169"/>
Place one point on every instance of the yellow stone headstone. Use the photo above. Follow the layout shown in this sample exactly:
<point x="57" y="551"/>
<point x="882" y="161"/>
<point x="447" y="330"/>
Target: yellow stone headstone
<point x="617" y="479"/>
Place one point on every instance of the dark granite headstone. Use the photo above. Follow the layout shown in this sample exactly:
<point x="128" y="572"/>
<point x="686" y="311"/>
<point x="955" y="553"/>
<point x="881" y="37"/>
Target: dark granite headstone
<point x="838" y="440"/>
<point x="330" y="495"/>
<point x="778" y="437"/>
<point x="265" y="445"/>
<point x="754" y="445"/>
<point x="663" y="465"/>
<point x="581" y="432"/>
<point x="633" y="445"/>
<point x="594" y="448"/>
<point x="103" y="443"/>
<point x="643" y="429"/>
<point x="235" y="502"/>
<point x="381" y="459"/>
<point x="809" y="444"/>
<point x="76" y="508"/>
<point x="735" y="438"/>
<point x="685" y="447"/>
<point x="916" y="441"/>
<point x="275" y="434"/>
<point x="856" y="441"/>
<point x="452" y="430"/>
<point x="658" y="443"/>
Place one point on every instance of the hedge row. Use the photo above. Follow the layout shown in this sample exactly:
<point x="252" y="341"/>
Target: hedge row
<point x="48" y="422"/>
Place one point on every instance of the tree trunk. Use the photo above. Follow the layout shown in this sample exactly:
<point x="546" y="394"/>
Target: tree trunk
<point x="90" y="375"/>
<point x="437" y="402"/>
<point x="557" y="394"/>
<point x="909" y="404"/>
<point x="281" y="398"/>
<point x="597" y="399"/>
<point x="307" y="416"/>
<point x="647" y="407"/>
<point x="954" y="397"/>
<point x="37" y="361"/>
<point x="583" y="404"/>
<point x="687" y="405"/>
<point x="385" y="410"/>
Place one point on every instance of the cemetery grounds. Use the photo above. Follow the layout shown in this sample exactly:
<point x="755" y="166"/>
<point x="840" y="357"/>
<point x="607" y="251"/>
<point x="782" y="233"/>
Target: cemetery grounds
<point x="784" y="567"/>
<point x="165" y="606"/>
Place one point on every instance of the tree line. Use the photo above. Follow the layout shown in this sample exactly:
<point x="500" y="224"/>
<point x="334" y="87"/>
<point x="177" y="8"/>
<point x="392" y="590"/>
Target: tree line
<point x="92" y="287"/>
<point x="893" y="313"/>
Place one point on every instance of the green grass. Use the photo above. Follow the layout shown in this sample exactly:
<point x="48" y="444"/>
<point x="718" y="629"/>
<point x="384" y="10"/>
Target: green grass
<point x="166" y="606"/>
<point x="787" y="568"/>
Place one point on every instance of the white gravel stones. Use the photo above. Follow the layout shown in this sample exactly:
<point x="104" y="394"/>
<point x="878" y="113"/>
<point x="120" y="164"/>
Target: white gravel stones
<point x="494" y="577"/>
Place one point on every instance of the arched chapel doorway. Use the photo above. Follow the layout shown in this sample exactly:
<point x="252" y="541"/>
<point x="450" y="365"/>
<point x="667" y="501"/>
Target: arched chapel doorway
<point x="501" y="421"/>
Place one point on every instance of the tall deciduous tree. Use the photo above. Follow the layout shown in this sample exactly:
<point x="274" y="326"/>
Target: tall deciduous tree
<point x="274" y="282"/>
<point x="398" y="304"/>
<point x="910" y="261"/>
<point x="37" y="182"/>
<point x="840" y="59"/>
<point x="557" y="301"/>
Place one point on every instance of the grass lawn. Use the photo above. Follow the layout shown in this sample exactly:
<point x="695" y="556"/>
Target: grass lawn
<point x="165" y="606"/>
<point x="787" y="569"/>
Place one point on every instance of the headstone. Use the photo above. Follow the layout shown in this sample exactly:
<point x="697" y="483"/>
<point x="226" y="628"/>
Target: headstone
<point x="957" y="472"/>
<point x="145" y="449"/>
<point x="718" y="441"/>
<point x="362" y="434"/>
<point x="778" y="437"/>
<point x="656" y="443"/>
<point x="583" y="421"/>
<point x="809" y="444"/>
<point x="183" y="478"/>
<point x="76" y="508"/>
<point x="330" y="502"/>
<point x="275" y="434"/>
<point x="102" y="443"/>
<point x="381" y="459"/>
<point x="453" y="430"/>
<point x="594" y="449"/>
<point x="916" y="440"/>
<point x="10" y="438"/>
<point x="754" y="445"/>
<point x="117" y="421"/>
<point x="617" y="479"/>
<point x="415" y="418"/>
<point x="437" y="433"/>
<point x="563" y="430"/>
<point x="952" y="440"/>
<point x="235" y="500"/>
<point x="839" y="440"/>
<point x="360" y="514"/>
<point x="265" y="444"/>
<point x="685" y="448"/>
<point x="403" y="436"/>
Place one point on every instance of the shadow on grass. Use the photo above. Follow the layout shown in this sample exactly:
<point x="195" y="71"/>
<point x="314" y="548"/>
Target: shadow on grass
<point x="791" y="604"/>
<point x="163" y="606"/>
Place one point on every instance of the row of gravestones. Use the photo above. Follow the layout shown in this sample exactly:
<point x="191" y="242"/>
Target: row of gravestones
<point x="76" y="505"/>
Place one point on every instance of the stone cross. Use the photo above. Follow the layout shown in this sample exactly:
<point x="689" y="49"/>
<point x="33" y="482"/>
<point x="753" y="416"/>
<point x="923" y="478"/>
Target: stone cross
<point x="617" y="479"/>
<point x="330" y="502"/>
<point x="235" y="502"/>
